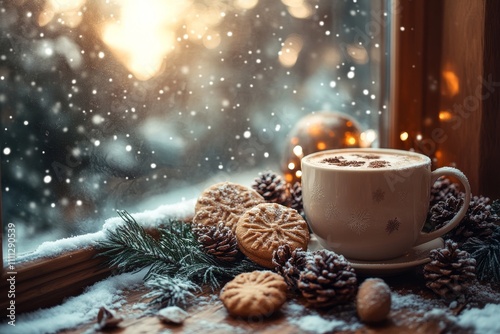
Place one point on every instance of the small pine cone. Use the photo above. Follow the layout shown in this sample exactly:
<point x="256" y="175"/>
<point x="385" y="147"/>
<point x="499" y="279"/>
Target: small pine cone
<point x="327" y="279"/>
<point x="443" y="211"/>
<point x="478" y="221"/>
<point x="296" y="198"/>
<point x="442" y="189"/>
<point x="271" y="186"/>
<point x="218" y="241"/>
<point x="450" y="271"/>
<point x="289" y="264"/>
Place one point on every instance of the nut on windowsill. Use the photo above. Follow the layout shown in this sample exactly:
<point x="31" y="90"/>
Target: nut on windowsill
<point x="373" y="301"/>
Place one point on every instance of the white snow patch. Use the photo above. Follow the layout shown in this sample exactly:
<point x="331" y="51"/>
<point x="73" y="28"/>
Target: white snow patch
<point x="484" y="321"/>
<point x="317" y="324"/>
<point x="149" y="218"/>
<point x="77" y="310"/>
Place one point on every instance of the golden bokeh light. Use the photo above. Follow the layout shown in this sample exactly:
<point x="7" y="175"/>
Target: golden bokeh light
<point x="290" y="50"/>
<point x="68" y="11"/>
<point x="445" y="116"/>
<point x="451" y="83"/>
<point x="321" y="145"/>
<point x="404" y="136"/>
<point x="246" y="4"/>
<point x="297" y="150"/>
<point x="211" y="40"/>
<point x="144" y="34"/>
<point x="367" y="138"/>
<point x="350" y="140"/>
<point x="357" y="53"/>
<point x="299" y="9"/>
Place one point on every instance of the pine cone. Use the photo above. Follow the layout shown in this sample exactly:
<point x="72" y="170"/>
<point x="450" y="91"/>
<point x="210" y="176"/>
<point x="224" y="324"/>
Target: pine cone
<point x="296" y="198"/>
<point x="327" y="279"/>
<point x="450" y="271"/>
<point x="442" y="189"/>
<point x="289" y="264"/>
<point x="271" y="186"/>
<point x="218" y="241"/>
<point x="478" y="221"/>
<point x="443" y="211"/>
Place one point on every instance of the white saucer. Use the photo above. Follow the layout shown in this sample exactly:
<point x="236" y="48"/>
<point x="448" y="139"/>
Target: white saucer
<point x="416" y="256"/>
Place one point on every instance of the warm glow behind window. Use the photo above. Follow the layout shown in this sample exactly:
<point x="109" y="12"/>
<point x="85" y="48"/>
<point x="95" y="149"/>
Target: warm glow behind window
<point x="133" y="104"/>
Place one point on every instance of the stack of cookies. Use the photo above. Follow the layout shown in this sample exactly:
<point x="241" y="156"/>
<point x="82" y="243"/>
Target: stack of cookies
<point x="260" y="227"/>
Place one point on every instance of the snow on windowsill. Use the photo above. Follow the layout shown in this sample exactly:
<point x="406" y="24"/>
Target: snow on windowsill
<point x="149" y="218"/>
<point x="77" y="310"/>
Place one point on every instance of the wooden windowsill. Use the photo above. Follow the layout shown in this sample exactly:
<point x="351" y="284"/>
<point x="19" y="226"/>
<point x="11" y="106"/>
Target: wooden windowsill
<point x="47" y="281"/>
<point x="213" y="317"/>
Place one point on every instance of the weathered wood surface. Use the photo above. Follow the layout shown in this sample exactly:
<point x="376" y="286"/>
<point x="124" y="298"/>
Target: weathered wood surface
<point x="47" y="281"/>
<point x="212" y="317"/>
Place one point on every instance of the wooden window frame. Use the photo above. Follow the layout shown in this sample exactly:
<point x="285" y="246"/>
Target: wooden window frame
<point x="443" y="39"/>
<point x="419" y="53"/>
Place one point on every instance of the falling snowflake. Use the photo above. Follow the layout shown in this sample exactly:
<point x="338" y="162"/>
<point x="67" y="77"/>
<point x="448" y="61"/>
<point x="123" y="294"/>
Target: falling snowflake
<point x="378" y="195"/>
<point x="359" y="221"/>
<point x="392" y="225"/>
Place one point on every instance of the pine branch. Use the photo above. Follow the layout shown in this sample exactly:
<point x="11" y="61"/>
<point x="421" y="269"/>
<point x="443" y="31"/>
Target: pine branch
<point x="168" y="291"/>
<point x="177" y="254"/>
<point x="487" y="255"/>
<point x="131" y="248"/>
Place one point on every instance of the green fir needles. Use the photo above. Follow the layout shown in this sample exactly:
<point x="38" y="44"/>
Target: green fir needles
<point x="176" y="255"/>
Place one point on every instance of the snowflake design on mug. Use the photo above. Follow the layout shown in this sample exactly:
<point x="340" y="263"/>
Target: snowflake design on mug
<point x="392" y="225"/>
<point x="331" y="211"/>
<point x="378" y="195"/>
<point x="359" y="221"/>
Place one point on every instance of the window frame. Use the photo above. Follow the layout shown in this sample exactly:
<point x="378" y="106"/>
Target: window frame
<point x="46" y="282"/>
<point x="470" y="141"/>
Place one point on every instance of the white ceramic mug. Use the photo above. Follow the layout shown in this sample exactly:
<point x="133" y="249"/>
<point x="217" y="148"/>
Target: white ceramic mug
<point x="372" y="204"/>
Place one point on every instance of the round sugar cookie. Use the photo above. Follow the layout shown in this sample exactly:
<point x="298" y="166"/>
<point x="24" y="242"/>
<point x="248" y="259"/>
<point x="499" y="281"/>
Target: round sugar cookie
<point x="224" y="202"/>
<point x="265" y="227"/>
<point x="257" y="293"/>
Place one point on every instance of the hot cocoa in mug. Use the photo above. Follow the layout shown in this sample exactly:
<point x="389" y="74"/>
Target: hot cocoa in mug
<point x="372" y="204"/>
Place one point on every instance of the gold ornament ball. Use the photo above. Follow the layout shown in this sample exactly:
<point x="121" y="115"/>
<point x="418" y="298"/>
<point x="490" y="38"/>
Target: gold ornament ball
<point x="317" y="132"/>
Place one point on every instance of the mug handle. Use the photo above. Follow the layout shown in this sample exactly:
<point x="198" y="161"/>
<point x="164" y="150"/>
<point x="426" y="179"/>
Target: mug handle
<point x="448" y="171"/>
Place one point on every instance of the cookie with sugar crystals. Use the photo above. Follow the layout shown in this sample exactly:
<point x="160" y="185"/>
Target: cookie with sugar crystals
<point x="224" y="202"/>
<point x="265" y="227"/>
<point x="253" y="294"/>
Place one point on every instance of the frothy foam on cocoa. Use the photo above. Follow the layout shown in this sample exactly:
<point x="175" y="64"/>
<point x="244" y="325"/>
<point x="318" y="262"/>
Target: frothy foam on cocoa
<point x="367" y="160"/>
